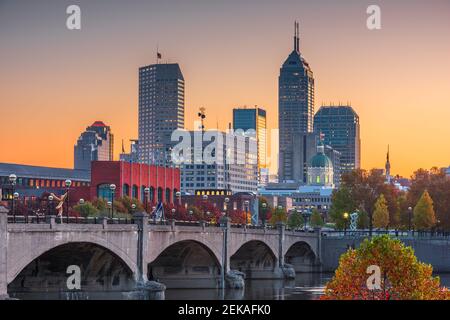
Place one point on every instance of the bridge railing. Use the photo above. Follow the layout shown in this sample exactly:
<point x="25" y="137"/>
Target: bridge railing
<point x="73" y="220"/>
<point x="393" y="233"/>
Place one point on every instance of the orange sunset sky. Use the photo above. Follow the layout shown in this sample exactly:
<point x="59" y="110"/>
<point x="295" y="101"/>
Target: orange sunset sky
<point x="54" y="82"/>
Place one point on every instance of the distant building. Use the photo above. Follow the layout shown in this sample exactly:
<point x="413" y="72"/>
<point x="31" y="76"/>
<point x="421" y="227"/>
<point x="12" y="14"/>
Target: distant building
<point x="133" y="155"/>
<point x="304" y="148"/>
<point x="340" y="127"/>
<point x="94" y="144"/>
<point x="295" y="109"/>
<point x="320" y="169"/>
<point x="447" y="171"/>
<point x="161" y="110"/>
<point x="303" y="197"/>
<point x="232" y="166"/>
<point x="254" y="119"/>
<point x="33" y="181"/>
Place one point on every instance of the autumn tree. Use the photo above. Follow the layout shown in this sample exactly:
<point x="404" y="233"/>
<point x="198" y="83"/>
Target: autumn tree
<point x="278" y="215"/>
<point x="437" y="184"/>
<point x="381" y="213"/>
<point x="424" y="216"/>
<point x="316" y="219"/>
<point x="402" y="276"/>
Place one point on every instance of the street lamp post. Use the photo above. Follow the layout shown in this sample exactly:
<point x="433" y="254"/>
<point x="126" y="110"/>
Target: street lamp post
<point x="68" y="183"/>
<point x="345" y="223"/>
<point x="146" y="194"/>
<point x="190" y="215"/>
<point x="109" y="205"/>
<point x="50" y="205"/>
<point x="173" y="213"/>
<point x="409" y="218"/>
<point x="15" y="198"/>
<point x="264" y="213"/>
<point x="247" y="209"/>
<point x="12" y="179"/>
<point x="224" y="226"/>
<point x="112" y="187"/>
<point x="205" y="199"/>
<point x="306" y="214"/>
<point x="178" y="195"/>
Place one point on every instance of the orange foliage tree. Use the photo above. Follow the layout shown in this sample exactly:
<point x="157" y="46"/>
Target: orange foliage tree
<point x="402" y="276"/>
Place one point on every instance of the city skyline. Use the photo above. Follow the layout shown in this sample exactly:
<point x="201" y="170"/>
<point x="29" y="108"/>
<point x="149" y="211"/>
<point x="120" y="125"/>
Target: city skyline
<point x="383" y="75"/>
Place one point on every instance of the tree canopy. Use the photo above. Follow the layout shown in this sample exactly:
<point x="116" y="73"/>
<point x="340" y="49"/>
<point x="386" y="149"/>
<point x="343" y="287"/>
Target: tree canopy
<point x="402" y="276"/>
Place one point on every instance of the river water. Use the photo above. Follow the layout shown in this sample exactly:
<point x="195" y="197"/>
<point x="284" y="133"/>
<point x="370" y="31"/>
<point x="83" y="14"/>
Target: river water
<point x="306" y="286"/>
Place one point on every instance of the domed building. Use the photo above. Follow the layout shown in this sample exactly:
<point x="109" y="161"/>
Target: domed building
<point x="320" y="170"/>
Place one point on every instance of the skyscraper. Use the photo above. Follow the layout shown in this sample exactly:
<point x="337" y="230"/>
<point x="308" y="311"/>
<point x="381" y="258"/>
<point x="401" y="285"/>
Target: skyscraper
<point x="340" y="126"/>
<point x="254" y="119"/>
<point x="295" y="108"/>
<point x="96" y="143"/>
<point x="161" y="110"/>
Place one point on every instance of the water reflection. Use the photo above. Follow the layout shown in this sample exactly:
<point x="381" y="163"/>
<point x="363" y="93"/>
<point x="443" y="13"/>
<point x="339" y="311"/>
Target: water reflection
<point x="306" y="286"/>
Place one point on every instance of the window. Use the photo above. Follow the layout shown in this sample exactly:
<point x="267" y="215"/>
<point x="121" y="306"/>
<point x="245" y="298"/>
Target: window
<point x="104" y="192"/>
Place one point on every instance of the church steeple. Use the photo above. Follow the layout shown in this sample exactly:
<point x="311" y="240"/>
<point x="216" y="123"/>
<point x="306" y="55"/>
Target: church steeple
<point x="388" y="167"/>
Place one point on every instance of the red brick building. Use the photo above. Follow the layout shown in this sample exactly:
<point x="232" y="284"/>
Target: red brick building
<point x="132" y="178"/>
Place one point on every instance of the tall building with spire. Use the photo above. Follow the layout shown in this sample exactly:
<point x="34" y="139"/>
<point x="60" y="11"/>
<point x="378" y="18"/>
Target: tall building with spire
<point x="161" y="110"/>
<point x="295" y="109"/>
<point x="388" y="168"/>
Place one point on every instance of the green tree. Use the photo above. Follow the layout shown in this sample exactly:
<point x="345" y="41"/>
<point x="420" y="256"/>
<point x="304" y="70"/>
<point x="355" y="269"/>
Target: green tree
<point x="100" y="204"/>
<point x="295" y="220"/>
<point x="363" y="220"/>
<point x="278" y="215"/>
<point x="86" y="209"/>
<point x="424" y="217"/>
<point x="342" y="201"/>
<point x="316" y="219"/>
<point x="381" y="213"/>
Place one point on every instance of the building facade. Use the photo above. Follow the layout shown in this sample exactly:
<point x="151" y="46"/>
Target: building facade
<point x="94" y="144"/>
<point x="254" y="119"/>
<point x="34" y="181"/>
<point x="161" y="110"/>
<point x="218" y="160"/>
<point x="320" y="169"/>
<point x="131" y="179"/>
<point x="341" y="129"/>
<point x="295" y="108"/>
<point x="304" y="148"/>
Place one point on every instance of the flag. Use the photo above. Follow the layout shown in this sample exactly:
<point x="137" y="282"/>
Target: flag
<point x="123" y="148"/>
<point x="159" y="211"/>
<point x="158" y="55"/>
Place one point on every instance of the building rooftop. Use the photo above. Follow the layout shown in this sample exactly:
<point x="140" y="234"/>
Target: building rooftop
<point x="27" y="171"/>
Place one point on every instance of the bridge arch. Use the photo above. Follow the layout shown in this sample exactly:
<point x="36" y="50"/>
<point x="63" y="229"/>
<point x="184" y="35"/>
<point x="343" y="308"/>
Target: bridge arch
<point x="21" y="255"/>
<point x="186" y="264"/>
<point x="256" y="259"/>
<point x="301" y="256"/>
<point x="100" y="269"/>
